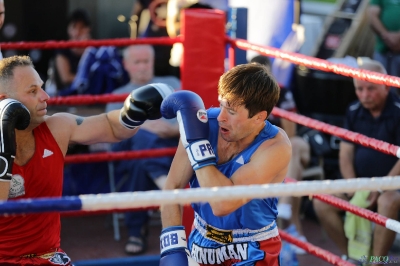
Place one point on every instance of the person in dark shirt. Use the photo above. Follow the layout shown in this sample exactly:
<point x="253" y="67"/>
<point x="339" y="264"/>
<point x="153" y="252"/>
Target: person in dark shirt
<point x="376" y="114"/>
<point x="67" y="60"/>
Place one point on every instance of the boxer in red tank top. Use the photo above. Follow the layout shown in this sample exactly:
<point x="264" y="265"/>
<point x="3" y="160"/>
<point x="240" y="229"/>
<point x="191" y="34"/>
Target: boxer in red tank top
<point x="41" y="144"/>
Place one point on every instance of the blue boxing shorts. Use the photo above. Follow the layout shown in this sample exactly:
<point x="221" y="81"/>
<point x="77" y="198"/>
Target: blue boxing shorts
<point x="214" y="246"/>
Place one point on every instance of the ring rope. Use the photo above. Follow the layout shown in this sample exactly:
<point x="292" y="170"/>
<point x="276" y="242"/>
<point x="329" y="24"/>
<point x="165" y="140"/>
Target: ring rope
<point x="317" y="63"/>
<point x="122" y="155"/>
<point x="123" y="200"/>
<point x="314" y="250"/>
<point x="364" y="213"/>
<point x="101" y="212"/>
<point x="94" y="43"/>
<point x="87" y="99"/>
<point x="357" y="138"/>
<point x="295" y="58"/>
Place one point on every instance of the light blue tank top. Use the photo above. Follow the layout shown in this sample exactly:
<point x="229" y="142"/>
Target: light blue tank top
<point x="258" y="212"/>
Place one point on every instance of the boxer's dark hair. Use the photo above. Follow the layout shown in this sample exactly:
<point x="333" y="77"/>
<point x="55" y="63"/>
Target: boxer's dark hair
<point x="7" y="66"/>
<point x="250" y="85"/>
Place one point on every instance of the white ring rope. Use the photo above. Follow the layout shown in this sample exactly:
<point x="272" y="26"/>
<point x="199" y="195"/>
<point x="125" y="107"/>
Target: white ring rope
<point x="393" y="225"/>
<point x="126" y="200"/>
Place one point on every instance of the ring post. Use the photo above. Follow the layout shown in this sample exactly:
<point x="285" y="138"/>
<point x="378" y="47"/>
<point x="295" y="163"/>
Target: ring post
<point x="203" y="32"/>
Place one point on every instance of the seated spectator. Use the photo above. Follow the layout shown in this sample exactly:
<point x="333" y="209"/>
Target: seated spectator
<point x="289" y="207"/>
<point x="146" y="27"/>
<point x="375" y="114"/>
<point x="66" y="60"/>
<point x="147" y="174"/>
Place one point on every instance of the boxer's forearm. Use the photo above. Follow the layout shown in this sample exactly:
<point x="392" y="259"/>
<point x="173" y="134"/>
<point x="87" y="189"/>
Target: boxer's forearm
<point x="4" y="189"/>
<point x="171" y="215"/>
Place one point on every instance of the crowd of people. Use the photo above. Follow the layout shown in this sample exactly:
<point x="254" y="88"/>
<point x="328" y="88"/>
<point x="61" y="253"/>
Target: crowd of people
<point x="242" y="143"/>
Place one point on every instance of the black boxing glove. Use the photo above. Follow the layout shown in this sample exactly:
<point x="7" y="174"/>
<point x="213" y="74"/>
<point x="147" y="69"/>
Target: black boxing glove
<point x="13" y="115"/>
<point x="143" y="103"/>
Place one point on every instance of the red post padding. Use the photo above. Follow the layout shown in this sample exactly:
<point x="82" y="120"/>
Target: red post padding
<point x="203" y="32"/>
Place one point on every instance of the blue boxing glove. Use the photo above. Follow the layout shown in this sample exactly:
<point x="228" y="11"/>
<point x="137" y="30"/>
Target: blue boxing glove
<point x="173" y="247"/>
<point x="143" y="103"/>
<point x="189" y="110"/>
<point x="14" y="115"/>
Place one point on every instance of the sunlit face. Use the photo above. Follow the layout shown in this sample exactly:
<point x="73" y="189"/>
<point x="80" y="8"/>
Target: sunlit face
<point x="234" y="122"/>
<point x="139" y="63"/>
<point x="372" y="96"/>
<point x="27" y="88"/>
<point x="2" y="13"/>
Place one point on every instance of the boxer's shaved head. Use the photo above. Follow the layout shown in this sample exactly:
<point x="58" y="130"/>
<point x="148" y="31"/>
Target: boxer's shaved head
<point x="7" y="66"/>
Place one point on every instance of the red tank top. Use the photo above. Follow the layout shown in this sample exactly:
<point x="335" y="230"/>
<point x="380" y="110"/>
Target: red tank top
<point x="42" y="176"/>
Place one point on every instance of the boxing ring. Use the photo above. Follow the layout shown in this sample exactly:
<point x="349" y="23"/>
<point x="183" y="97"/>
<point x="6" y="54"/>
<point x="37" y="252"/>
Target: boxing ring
<point x="204" y="56"/>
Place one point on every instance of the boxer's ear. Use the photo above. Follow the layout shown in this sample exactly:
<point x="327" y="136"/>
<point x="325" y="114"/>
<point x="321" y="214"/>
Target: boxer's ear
<point x="262" y="116"/>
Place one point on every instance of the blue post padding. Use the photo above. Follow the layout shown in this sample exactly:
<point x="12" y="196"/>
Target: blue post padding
<point x="40" y="205"/>
<point x="150" y="260"/>
<point x="237" y="19"/>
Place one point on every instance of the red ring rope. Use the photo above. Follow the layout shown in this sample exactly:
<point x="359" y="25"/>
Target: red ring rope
<point x="116" y="156"/>
<point x="344" y="205"/>
<point x="314" y="250"/>
<point x="87" y="99"/>
<point x="358" y="138"/>
<point x="83" y="44"/>
<point x="317" y="63"/>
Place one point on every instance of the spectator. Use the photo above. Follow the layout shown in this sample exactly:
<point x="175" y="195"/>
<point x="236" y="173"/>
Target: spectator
<point x="162" y="52"/>
<point x="289" y="207"/>
<point x="67" y="60"/>
<point x="376" y="114"/>
<point x="384" y="21"/>
<point x="148" y="174"/>
<point x="139" y="16"/>
<point x="2" y="16"/>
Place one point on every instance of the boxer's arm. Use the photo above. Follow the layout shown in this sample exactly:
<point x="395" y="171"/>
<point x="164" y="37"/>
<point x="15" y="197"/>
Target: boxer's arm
<point x="178" y="177"/>
<point x="141" y="104"/>
<point x="88" y="130"/>
<point x="14" y="116"/>
<point x="173" y="244"/>
<point x="269" y="164"/>
<point x="4" y="190"/>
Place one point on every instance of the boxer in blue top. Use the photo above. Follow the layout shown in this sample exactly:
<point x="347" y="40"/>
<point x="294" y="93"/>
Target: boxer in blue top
<point x="226" y="146"/>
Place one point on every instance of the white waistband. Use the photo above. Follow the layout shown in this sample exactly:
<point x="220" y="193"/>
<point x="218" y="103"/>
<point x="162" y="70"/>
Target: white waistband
<point x="240" y="235"/>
